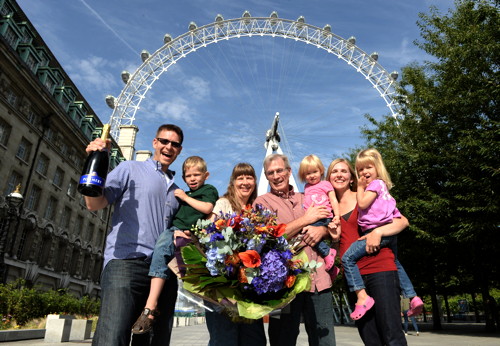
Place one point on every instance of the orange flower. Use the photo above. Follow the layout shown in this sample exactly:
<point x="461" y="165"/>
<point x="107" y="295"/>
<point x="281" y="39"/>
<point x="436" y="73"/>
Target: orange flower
<point x="242" y="276"/>
<point x="260" y="229"/>
<point x="278" y="231"/>
<point x="220" y="224"/>
<point x="290" y="280"/>
<point x="250" y="258"/>
<point x="232" y="259"/>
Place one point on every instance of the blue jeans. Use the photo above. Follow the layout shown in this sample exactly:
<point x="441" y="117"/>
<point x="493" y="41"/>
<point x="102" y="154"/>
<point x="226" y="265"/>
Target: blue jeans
<point x="162" y="254"/>
<point x="317" y="310"/>
<point x="357" y="250"/>
<point x="125" y="289"/>
<point x="413" y="321"/>
<point x="322" y="248"/>
<point x="381" y="325"/>
<point x="224" y="332"/>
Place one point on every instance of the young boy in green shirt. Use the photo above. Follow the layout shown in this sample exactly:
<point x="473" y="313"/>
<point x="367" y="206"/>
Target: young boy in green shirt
<point x="197" y="203"/>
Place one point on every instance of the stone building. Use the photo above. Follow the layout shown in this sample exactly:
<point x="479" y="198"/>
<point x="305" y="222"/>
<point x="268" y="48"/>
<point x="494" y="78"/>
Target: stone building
<point x="45" y="125"/>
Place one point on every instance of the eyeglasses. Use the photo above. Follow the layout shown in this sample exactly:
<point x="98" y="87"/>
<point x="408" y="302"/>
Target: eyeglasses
<point x="165" y="141"/>
<point x="278" y="171"/>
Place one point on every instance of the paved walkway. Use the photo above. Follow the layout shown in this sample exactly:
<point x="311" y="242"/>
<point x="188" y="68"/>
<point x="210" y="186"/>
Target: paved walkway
<point x="456" y="334"/>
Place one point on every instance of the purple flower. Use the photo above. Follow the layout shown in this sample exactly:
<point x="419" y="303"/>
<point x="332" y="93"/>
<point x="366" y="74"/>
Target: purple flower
<point x="216" y="236"/>
<point x="273" y="273"/>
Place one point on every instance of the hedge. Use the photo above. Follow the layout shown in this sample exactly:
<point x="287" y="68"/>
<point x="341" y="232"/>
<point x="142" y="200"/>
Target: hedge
<point x="24" y="304"/>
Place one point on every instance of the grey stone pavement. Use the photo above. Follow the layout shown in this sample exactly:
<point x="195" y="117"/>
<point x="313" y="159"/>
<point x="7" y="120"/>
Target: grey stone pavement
<point x="456" y="334"/>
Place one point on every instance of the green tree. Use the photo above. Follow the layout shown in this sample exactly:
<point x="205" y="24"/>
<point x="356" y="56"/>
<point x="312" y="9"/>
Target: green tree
<point x="443" y="152"/>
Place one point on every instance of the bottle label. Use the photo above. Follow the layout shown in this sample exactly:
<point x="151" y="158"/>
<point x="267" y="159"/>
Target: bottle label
<point x="93" y="179"/>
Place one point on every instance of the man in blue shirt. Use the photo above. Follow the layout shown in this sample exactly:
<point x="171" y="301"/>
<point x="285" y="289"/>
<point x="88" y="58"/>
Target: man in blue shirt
<point x="142" y="194"/>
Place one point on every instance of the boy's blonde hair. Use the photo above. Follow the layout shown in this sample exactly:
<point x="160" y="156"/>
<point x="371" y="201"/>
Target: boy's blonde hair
<point x="308" y="162"/>
<point x="194" y="161"/>
<point x="372" y="156"/>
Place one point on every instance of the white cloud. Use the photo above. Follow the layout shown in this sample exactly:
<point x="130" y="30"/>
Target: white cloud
<point x="197" y="87"/>
<point x="93" y="73"/>
<point x="175" y="110"/>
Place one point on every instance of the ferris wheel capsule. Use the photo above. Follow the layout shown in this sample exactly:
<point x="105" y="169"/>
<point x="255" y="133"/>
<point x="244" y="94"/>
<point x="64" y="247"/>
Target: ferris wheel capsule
<point x="274" y="16"/>
<point x="125" y="76"/>
<point x="327" y="29"/>
<point x="246" y="15"/>
<point x="144" y="55"/>
<point x="301" y="20"/>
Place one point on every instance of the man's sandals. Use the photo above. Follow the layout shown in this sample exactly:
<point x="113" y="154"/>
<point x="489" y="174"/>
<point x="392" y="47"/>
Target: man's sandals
<point x="144" y="324"/>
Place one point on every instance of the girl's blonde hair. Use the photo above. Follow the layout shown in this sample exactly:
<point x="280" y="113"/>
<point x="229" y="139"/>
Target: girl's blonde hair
<point x="372" y="156"/>
<point x="308" y="162"/>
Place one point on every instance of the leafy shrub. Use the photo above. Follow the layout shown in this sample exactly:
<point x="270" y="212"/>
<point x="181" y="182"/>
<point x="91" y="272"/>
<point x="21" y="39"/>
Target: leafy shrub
<point x="23" y="304"/>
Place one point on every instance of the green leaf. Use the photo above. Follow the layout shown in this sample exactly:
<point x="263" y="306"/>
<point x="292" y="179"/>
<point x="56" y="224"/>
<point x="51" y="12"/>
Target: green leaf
<point x="191" y="255"/>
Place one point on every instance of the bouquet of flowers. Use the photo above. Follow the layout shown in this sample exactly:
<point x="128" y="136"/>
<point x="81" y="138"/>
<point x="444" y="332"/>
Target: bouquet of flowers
<point x="244" y="264"/>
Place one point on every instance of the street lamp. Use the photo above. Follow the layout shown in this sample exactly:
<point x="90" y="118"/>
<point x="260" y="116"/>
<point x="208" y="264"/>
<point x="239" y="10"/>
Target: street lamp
<point x="14" y="200"/>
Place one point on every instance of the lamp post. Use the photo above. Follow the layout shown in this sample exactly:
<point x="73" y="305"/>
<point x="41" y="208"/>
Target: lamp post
<point x="14" y="200"/>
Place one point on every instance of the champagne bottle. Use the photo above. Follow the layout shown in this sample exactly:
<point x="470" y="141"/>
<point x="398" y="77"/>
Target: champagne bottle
<point x="95" y="170"/>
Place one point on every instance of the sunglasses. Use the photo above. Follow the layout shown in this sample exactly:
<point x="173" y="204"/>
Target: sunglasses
<point x="165" y="141"/>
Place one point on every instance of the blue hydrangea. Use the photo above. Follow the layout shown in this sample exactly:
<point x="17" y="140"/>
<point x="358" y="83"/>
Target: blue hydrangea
<point x="273" y="273"/>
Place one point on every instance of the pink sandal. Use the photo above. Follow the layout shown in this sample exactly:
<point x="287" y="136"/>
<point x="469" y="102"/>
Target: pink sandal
<point x="416" y="306"/>
<point x="334" y="272"/>
<point x="330" y="259"/>
<point x="361" y="310"/>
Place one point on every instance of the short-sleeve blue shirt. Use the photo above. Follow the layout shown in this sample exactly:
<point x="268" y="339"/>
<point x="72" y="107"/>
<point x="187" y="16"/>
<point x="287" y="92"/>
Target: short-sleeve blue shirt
<point x="144" y="206"/>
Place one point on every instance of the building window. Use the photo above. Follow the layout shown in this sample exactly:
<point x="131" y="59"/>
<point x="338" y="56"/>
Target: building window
<point x="90" y="232"/>
<point x="11" y="97"/>
<point x="4" y="132"/>
<point x="11" y="37"/>
<point x="5" y="10"/>
<point x="32" y="63"/>
<point x="104" y="213"/>
<point x="79" y="223"/>
<point x="14" y="179"/>
<point x="33" y="198"/>
<point x="65" y="217"/>
<point x="49" y="84"/>
<point x="42" y="165"/>
<point x="58" y="177"/>
<point x="64" y="148"/>
<point x="49" y="134"/>
<point x="50" y="209"/>
<point x="32" y="117"/>
<point x="24" y="150"/>
<point x="71" y="188"/>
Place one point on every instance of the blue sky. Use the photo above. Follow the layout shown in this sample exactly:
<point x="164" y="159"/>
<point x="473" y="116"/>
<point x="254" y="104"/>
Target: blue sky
<point x="225" y="96"/>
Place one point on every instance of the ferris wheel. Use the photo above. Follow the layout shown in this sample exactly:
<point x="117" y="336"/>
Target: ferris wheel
<point x="139" y="83"/>
<point x="154" y="65"/>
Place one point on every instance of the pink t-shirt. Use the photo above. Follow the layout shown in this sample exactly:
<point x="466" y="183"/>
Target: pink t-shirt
<point x="318" y="194"/>
<point x="381" y="211"/>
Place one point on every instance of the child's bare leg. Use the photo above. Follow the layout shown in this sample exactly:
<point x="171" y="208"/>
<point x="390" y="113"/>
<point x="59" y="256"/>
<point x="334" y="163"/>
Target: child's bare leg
<point x="154" y="293"/>
<point x="361" y="294"/>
